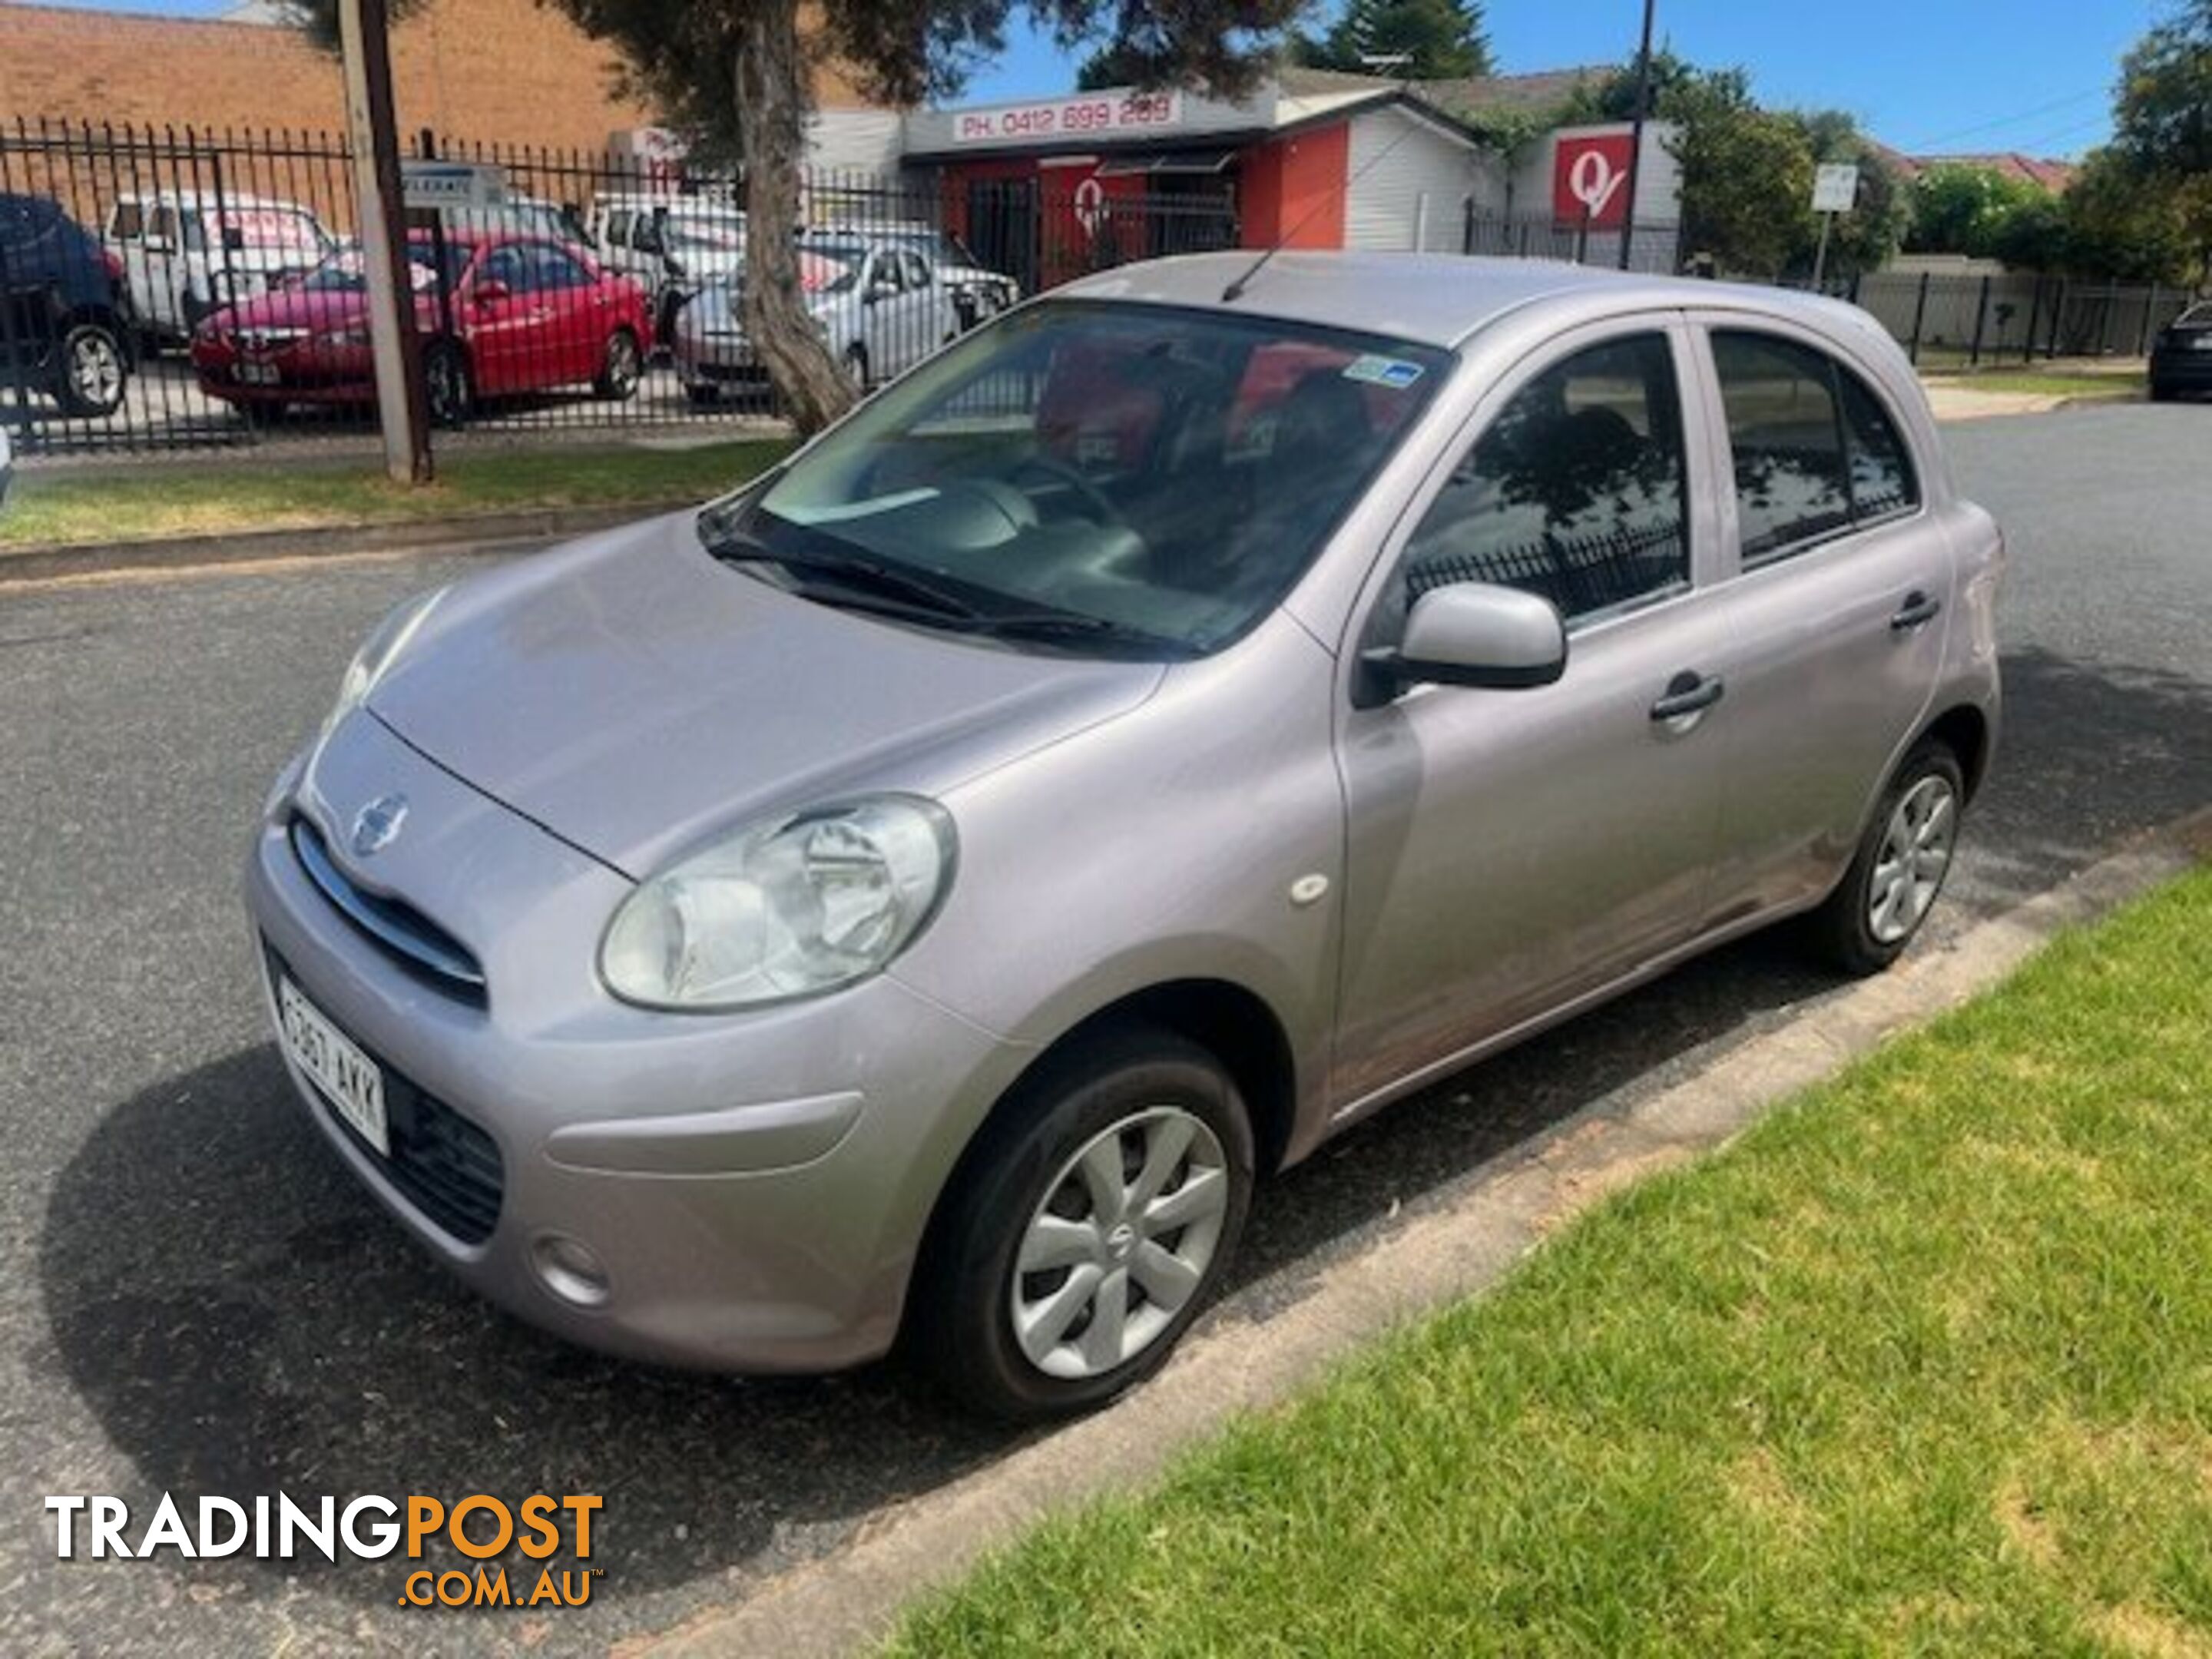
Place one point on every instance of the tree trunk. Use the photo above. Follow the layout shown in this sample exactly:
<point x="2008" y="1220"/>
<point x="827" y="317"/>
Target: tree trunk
<point x="774" y="91"/>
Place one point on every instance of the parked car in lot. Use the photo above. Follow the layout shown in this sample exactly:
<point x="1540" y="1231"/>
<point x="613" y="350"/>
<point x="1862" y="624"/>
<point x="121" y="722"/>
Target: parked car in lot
<point x="65" y="318"/>
<point x="880" y="305"/>
<point x="673" y="246"/>
<point x="977" y="292"/>
<point x="515" y="314"/>
<point x="7" y="465"/>
<point x="185" y="253"/>
<point x="921" y="895"/>
<point x="2181" y="357"/>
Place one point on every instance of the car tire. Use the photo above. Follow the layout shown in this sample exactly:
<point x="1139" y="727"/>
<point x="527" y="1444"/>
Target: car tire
<point x="1028" y="1346"/>
<point x="1900" y="868"/>
<point x="622" y="365"/>
<point x="2161" y="393"/>
<point x="447" y="386"/>
<point x="856" y="366"/>
<point x="91" y="370"/>
<point x="703" y="394"/>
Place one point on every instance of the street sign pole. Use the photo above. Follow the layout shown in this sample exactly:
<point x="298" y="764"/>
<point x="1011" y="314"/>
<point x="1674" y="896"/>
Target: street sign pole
<point x="1835" y="189"/>
<point x="402" y="408"/>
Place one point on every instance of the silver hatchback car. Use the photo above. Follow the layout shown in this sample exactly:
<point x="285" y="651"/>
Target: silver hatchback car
<point x="915" y="899"/>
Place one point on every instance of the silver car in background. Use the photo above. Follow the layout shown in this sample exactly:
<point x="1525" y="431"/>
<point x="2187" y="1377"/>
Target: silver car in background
<point x="880" y="304"/>
<point x="917" y="898"/>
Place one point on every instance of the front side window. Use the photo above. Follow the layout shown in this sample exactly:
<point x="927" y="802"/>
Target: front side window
<point x="1110" y="478"/>
<point x="1575" y="491"/>
<point x="1815" y="451"/>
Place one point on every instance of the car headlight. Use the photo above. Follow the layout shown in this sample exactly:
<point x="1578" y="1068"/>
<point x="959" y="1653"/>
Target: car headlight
<point x="790" y="906"/>
<point x="377" y="654"/>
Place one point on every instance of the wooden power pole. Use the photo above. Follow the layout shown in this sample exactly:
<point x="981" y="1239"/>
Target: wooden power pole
<point x="402" y="408"/>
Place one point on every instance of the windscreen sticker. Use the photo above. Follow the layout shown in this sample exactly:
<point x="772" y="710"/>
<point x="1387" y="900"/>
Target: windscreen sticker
<point x="1393" y="372"/>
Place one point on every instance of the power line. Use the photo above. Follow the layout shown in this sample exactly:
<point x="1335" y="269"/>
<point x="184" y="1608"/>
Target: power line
<point x="1926" y="144"/>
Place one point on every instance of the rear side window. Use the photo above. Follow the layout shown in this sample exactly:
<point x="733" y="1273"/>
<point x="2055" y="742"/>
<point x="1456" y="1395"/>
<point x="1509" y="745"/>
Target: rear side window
<point x="128" y="222"/>
<point x="1814" y="451"/>
<point x="1575" y="491"/>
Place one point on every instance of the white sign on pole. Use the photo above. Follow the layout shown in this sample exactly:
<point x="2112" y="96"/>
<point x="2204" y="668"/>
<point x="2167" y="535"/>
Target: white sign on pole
<point x="463" y="184"/>
<point x="1836" y="187"/>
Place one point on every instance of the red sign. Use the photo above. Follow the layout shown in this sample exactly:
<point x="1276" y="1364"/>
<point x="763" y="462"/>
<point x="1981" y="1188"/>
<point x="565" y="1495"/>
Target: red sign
<point x="1589" y="179"/>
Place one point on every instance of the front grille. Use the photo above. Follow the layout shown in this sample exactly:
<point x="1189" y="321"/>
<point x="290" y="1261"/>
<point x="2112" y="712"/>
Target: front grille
<point x="402" y="932"/>
<point x="442" y="1163"/>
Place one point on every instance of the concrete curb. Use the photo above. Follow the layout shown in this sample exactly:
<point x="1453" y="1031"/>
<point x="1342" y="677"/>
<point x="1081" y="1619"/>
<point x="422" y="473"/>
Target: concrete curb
<point x="850" y="1599"/>
<point x="488" y="532"/>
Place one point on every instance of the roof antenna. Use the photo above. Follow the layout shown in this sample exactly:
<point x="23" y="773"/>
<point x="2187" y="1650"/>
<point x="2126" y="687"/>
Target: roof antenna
<point x="1404" y="60"/>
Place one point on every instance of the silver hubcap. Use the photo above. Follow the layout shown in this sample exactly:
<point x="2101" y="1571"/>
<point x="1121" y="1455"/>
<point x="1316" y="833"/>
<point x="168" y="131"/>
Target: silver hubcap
<point x="625" y="364"/>
<point x="1915" y="851"/>
<point x="1120" y="1245"/>
<point x="96" y="370"/>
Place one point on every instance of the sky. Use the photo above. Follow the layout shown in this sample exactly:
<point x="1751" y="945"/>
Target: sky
<point x="1923" y="75"/>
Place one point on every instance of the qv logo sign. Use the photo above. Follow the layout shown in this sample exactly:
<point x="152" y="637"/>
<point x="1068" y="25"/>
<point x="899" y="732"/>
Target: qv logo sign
<point x="1589" y="178"/>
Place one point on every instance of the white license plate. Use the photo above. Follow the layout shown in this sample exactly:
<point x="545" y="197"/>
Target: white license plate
<point x="353" y="1082"/>
<point x="260" y="374"/>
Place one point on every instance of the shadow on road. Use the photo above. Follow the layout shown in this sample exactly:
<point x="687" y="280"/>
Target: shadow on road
<point x="275" y="1331"/>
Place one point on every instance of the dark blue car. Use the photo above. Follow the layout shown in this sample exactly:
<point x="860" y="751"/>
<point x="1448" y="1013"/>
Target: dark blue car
<point x="65" y="327"/>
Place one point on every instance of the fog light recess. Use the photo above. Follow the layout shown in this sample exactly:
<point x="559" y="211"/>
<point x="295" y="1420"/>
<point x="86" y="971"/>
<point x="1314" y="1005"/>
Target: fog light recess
<point x="570" y="1270"/>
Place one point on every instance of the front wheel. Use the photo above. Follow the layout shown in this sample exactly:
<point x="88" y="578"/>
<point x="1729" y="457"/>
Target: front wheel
<point x="856" y="366"/>
<point x="1900" y="866"/>
<point x="1091" y="1224"/>
<point x="91" y="371"/>
<point x="620" y="367"/>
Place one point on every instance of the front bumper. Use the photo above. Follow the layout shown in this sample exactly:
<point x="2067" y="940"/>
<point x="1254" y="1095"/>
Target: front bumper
<point x="755" y="1187"/>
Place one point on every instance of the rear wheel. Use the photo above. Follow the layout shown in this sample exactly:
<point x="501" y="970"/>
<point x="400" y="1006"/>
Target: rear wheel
<point x="620" y="367"/>
<point x="1900" y="866"/>
<point x="856" y="366"/>
<point x="2161" y="393"/>
<point x="1089" y="1229"/>
<point x="447" y="385"/>
<point x="90" y="371"/>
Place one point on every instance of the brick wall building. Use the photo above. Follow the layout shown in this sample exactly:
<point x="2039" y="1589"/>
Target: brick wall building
<point x="495" y="71"/>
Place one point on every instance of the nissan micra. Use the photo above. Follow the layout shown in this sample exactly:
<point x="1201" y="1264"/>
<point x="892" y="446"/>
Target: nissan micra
<point x="915" y="899"/>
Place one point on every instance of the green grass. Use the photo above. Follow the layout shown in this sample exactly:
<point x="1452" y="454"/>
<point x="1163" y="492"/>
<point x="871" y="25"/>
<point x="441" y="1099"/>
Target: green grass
<point x="1922" y="1364"/>
<point x="2085" y="384"/>
<point x="225" y="497"/>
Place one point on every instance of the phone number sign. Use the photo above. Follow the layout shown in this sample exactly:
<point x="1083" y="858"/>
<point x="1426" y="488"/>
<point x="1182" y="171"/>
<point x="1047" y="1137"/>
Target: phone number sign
<point x="1102" y="115"/>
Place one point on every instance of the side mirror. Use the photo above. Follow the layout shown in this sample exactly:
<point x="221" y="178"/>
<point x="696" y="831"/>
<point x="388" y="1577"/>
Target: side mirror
<point x="1476" y="634"/>
<point x="489" y="291"/>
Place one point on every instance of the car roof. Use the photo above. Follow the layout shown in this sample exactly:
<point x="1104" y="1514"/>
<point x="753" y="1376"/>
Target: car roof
<point x="228" y="198"/>
<point x="1429" y="299"/>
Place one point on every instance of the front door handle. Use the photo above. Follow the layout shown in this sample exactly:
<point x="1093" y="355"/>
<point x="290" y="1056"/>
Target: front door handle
<point x="1688" y="693"/>
<point x="1918" y="609"/>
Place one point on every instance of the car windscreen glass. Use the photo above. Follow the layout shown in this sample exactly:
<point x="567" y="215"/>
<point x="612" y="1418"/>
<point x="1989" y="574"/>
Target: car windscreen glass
<point x="341" y="273"/>
<point x="1152" y="470"/>
<point x="2195" y="317"/>
<point x="831" y="267"/>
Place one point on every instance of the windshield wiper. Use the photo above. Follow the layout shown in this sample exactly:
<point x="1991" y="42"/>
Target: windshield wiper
<point x="1071" y="625"/>
<point x="736" y="547"/>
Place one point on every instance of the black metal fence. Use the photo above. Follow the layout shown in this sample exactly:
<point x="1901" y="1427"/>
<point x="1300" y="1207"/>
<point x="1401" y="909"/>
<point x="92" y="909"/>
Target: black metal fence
<point x="182" y="287"/>
<point x="1963" y="320"/>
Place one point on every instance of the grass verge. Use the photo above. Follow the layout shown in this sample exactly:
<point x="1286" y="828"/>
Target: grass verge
<point x="225" y="497"/>
<point x="1923" y="1363"/>
<point x="2044" y="383"/>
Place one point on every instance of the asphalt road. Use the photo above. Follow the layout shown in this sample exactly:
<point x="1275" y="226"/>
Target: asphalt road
<point x="194" y="1298"/>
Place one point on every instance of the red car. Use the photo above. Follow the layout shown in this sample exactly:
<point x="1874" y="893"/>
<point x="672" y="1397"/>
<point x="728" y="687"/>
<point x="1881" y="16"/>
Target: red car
<point x="517" y="313"/>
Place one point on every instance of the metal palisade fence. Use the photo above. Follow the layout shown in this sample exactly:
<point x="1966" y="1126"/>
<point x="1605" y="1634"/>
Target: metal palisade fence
<point x="165" y="288"/>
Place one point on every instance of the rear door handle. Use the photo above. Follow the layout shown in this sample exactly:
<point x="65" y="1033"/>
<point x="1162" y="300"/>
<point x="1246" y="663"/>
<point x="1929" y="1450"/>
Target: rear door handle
<point x="1918" y="609"/>
<point x="1688" y="693"/>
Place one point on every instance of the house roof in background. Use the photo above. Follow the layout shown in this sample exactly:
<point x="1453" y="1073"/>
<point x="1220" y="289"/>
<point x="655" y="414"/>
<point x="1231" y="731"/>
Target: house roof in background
<point x="1463" y="98"/>
<point x="2054" y="176"/>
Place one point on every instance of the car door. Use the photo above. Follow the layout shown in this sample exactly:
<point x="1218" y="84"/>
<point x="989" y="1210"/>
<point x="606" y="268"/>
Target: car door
<point x="923" y="324"/>
<point x="879" y="291"/>
<point x="1838" y="605"/>
<point x="503" y="318"/>
<point x="574" y="329"/>
<point x="1509" y="851"/>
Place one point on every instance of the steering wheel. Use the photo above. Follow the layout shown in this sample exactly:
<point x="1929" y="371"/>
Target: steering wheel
<point x="1102" y="511"/>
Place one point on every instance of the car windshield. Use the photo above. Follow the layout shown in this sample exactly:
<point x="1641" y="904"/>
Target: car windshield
<point x="1152" y="478"/>
<point x="2195" y="315"/>
<point x="831" y="267"/>
<point x="341" y="273"/>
